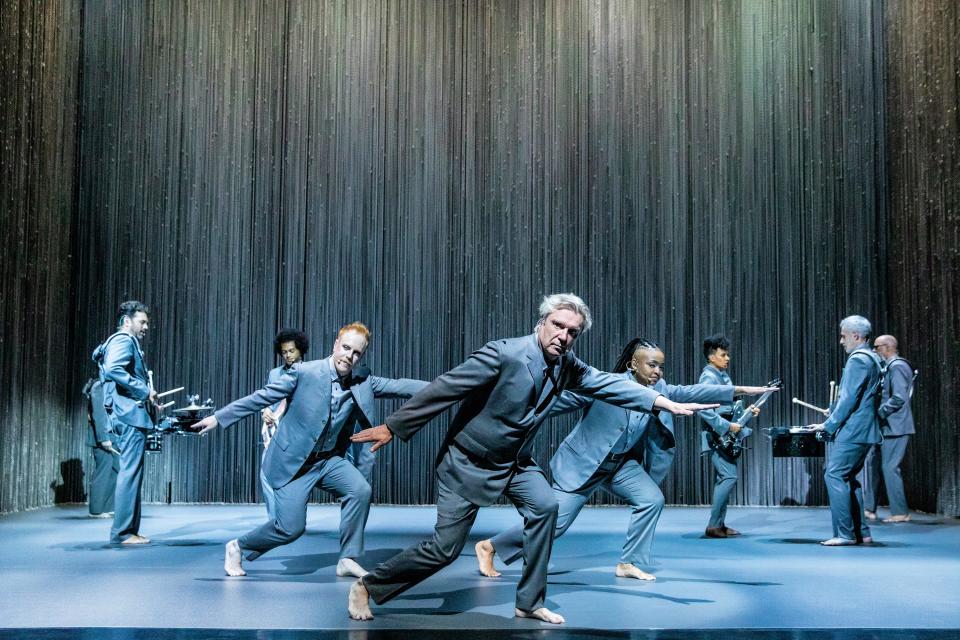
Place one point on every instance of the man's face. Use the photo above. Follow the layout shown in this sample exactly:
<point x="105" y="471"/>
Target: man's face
<point x="290" y="354"/>
<point x="647" y="366"/>
<point x="720" y="358"/>
<point x="850" y="340"/>
<point x="884" y="348"/>
<point x="347" y="352"/>
<point x="558" y="332"/>
<point x="137" y="325"/>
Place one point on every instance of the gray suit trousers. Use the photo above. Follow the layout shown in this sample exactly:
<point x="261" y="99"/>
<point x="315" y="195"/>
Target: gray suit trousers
<point x="103" y="483"/>
<point x="724" y="482"/>
<point x="335" y="475"/>
<point x="529" y="492"/>
<point x="126" y="500"/>
<point x="886" y="457"/>
<point x="630" y="482"/>
<point x="844" y="462"/>
<point x="269" y="493"/>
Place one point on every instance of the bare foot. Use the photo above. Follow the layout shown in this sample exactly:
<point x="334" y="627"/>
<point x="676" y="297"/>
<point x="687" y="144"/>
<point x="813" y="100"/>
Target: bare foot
<point x="358" y="602"/>
<point x="627" y="570"/>
<point x="838" y="542"/>
<point x="485" y="553"/>
<point x="894" y="519"/>
<point x="870" y="515"/>
<point x="349" y="567"/>
<point x="232" y="559"/>
<point x="542" y="613"/>
<point x="136" y="539"/>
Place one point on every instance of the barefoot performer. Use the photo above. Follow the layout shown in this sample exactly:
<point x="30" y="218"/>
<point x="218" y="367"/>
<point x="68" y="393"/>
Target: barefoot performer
<point x="507" y="388"/>
<point x="627" y="453"/>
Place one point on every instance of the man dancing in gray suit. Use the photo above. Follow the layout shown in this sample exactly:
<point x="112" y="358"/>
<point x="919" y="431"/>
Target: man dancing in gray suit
<point x="325" y="399"/>
<point x="625" y="452"/>
<point x="853" y="428"/>
<point x="896" y="424"/>
<point x="508" y="388"/>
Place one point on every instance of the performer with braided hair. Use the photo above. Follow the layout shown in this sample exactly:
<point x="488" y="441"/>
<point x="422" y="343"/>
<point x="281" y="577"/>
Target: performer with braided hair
<point x="627" y="453"/>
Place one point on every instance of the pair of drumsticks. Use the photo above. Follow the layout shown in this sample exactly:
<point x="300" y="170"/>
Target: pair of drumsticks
<point x="834" y="392"/>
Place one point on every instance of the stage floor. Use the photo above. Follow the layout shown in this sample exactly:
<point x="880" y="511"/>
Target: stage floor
<point x="57" y="571"/>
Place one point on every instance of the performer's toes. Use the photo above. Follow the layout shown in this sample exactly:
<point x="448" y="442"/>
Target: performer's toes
<point x="715" y="532"/>
<point x="870" y="515"/>
<point x="895" y="519"/>
<point x="358" y="602"/>
<point x="136" y="539"/>
<point x="838" y="542"/>
<point x="542" y="613"/>
<point x="485" y="553"/>
<point x="627" y="570"/>
<point x="233" y="559"/>
<point x="867" y="540"/>
<point x="349" y="567"/>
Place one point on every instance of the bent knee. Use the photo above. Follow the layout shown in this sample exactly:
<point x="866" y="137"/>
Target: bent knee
<point x="362" y="492"/>
<point x="290" y="531"/>
<point x="443" y="552"/>
<point x="545" y="509"/>
<point x="658" y="502"/>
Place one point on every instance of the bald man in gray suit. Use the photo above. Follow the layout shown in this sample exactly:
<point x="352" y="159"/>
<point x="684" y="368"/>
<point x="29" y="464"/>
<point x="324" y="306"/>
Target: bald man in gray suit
<point x="507" y="389"/>
<point x="896" y="424"/>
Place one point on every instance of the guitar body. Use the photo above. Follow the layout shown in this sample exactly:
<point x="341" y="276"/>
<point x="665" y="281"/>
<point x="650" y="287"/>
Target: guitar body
<point x="730" y="445"/>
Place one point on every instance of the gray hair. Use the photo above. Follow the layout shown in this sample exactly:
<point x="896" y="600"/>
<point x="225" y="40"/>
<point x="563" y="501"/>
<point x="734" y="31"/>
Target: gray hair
<point x="569" y="301"/>
<point x="856" y="324"/>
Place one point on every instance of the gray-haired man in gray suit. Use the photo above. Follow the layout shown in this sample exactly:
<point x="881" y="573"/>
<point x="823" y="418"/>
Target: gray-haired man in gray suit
<point x="853" y="428"/>
<point x="896" y="424"/>
<point x="507" y="388"/>
<point x="325" y="398"/>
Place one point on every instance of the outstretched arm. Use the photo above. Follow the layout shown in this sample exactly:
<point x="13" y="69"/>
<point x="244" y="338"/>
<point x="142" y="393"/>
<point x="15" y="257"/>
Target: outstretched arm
<point x="248" y="405"/>
<point x="481" y="368"/>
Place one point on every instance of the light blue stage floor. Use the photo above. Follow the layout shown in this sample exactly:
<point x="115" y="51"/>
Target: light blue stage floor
<point x="57" y="571"/>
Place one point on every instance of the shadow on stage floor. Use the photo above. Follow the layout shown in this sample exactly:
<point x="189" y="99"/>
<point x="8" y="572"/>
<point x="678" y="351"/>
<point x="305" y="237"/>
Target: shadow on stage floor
<point x="478" y="634"/>
<point x="61" y="580"/>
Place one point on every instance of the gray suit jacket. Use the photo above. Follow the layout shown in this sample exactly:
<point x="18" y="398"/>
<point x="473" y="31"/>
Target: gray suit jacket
<point x="853" y="418"/>
<point x="307" y="388"/>
<point x="716" y="420"/>
<point x="602" y="424"/>
<point x="126" y="385"/>
<point x="896" y="418"/>
<point x="505" y="400"/>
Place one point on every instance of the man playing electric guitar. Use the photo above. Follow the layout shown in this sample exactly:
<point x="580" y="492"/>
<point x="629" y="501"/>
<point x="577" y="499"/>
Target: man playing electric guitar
<point x="721" y="437"/>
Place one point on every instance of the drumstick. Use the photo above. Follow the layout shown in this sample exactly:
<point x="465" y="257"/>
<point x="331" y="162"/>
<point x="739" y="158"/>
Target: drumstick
<point x="825" y="412"/>
<point x="166" y="393"/>
<point x="833" y="387"/>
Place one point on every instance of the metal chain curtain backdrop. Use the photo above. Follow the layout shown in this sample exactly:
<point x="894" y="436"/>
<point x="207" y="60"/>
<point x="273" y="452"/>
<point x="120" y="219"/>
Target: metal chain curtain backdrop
<point x="433" y="168"/>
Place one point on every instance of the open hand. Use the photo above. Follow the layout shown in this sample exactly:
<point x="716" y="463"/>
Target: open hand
<point x="207" y="424"/>
<point x="379" y="436"/>
<point x="684" y="408"/>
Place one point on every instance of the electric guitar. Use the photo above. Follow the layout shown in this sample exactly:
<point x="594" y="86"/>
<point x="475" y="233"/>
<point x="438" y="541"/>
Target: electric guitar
<point x="731" y="444"/>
